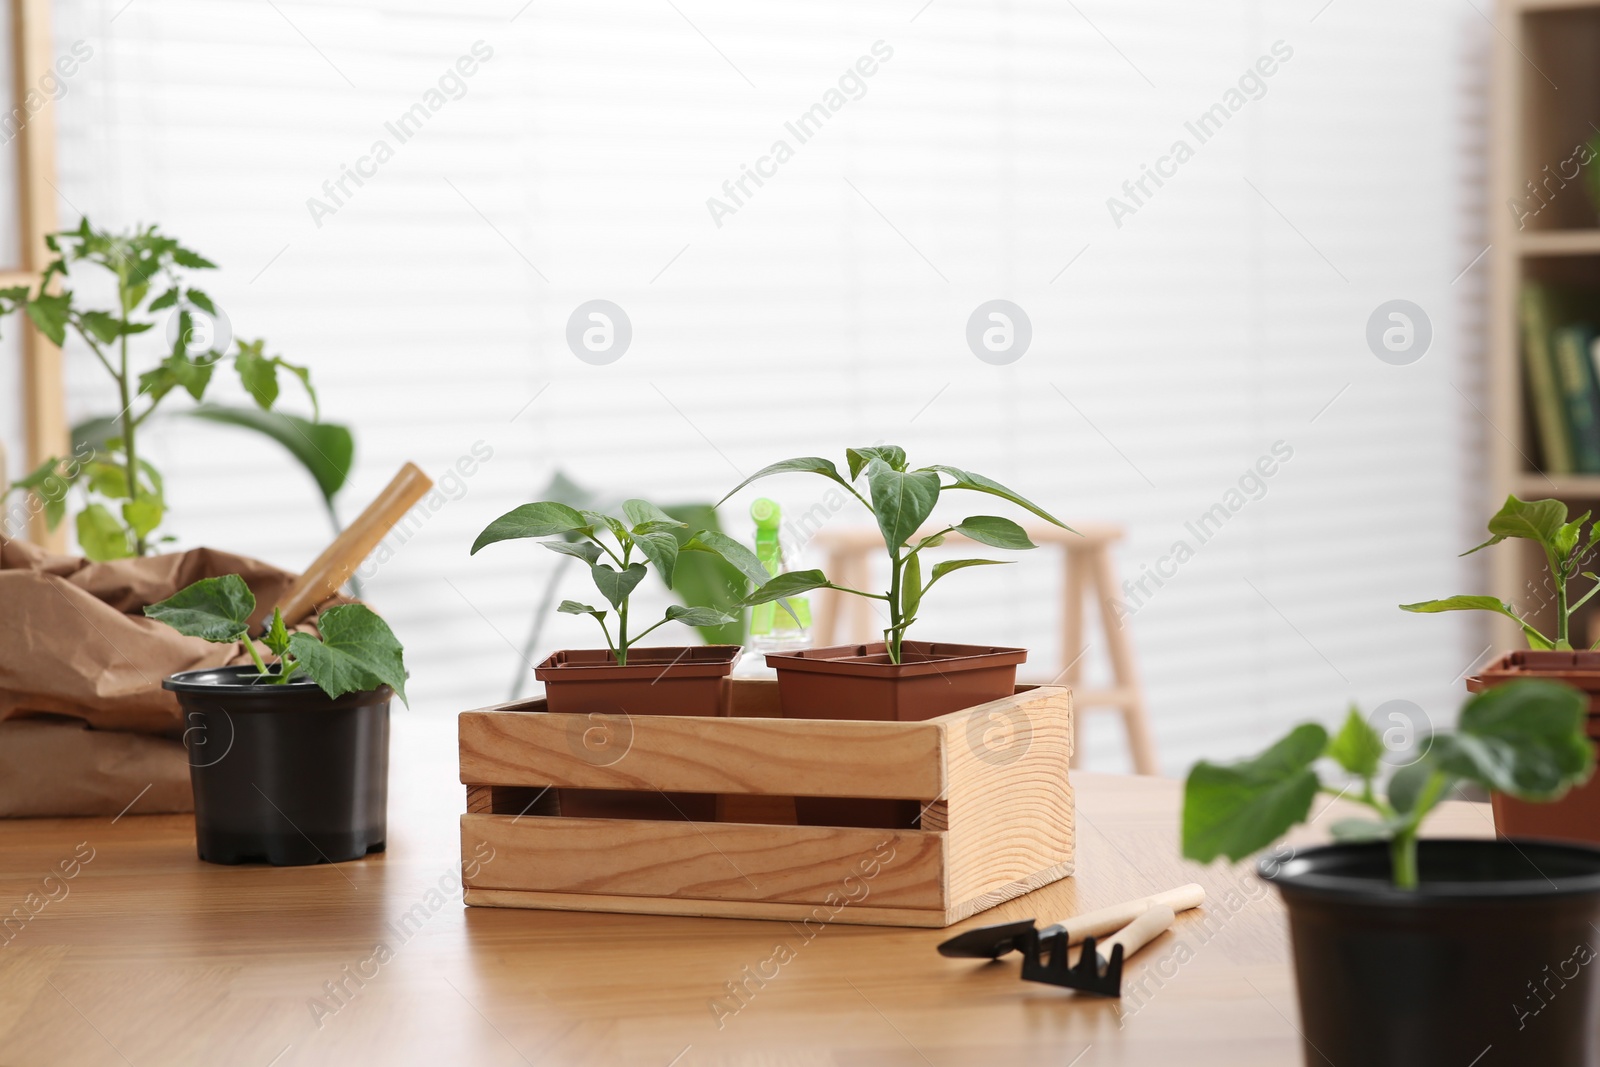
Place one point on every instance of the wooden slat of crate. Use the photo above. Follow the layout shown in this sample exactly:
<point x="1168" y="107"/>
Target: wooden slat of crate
<point x="1007" y="811"/>
<point x="759" y="756"/>
<point x="850" y="914"/>
<point x="998" y="821"/>
<point x="707" y="861"/>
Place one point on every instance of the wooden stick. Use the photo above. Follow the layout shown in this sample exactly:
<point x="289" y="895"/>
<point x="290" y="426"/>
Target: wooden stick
<point x="329" y="571"/>
<point x="44" y="405"/>
<point x="1137" y="934"/>
<point x="1117" y="916"/>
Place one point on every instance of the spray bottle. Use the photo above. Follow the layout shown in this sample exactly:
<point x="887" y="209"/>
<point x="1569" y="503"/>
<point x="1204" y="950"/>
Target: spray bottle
<point x="773" y="629"/>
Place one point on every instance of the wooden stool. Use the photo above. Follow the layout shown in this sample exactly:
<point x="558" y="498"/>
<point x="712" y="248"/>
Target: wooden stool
<point x="1086" y="563"/>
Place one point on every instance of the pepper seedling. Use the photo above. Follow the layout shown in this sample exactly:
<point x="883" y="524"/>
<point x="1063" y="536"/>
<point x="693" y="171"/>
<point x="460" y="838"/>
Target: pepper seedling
<point x="1565" y="546"/>
<point x="1525" y="739"/>
<point x="644" y="530"/>
<point x="356" y="653"/>
<point x="901" y="501"/>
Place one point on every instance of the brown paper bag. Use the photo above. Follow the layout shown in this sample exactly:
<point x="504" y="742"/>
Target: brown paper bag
<point x="85" y="726"/>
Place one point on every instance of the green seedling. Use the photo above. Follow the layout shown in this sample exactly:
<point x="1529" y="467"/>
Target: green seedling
<point x="1566" y="547"/>
<point x="1525" y="740"/>
<point x="357" y="651"/>
<point x="901" y="500"/>
<point x="644" y="535"/>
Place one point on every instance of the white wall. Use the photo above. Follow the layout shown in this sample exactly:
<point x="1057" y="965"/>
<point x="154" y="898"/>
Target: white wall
<point x="1222" y="317"/>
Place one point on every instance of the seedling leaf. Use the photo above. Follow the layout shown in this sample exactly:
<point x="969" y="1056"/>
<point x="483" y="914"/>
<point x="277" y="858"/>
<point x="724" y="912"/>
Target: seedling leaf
<point x="358" y="652"/>
<point x="531" y="520"/>
<point x="979" y="484"/>
<point x="277" y="636"/>
<point x="698" y="616"/>
<point x="1357" y="746"/>
<point x="996" y="532"/>
<point x="615" y="585"/>
<point x="901" y="502"/>
<point x="212" y="609"/>
<point x="1240" y="808"/>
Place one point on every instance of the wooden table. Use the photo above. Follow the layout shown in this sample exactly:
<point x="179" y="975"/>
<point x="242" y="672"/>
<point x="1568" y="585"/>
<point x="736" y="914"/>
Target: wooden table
<point x="149" y="956"/>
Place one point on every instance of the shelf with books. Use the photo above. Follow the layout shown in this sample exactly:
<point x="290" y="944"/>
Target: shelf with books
<point x="1542" y="395"/>
<point x="1558" y="317"/>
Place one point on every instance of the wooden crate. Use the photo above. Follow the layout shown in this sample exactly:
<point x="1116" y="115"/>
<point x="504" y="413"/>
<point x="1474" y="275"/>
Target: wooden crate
<point x="997" y="811"/>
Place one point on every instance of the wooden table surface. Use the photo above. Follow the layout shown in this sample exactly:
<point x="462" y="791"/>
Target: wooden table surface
<point x="148" y="956"/>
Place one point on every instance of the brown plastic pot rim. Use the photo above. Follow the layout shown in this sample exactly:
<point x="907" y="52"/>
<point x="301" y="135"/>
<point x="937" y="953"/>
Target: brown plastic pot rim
<point x="1579" y="669"/>
<point x="917" y="658"/>
<point x="599" y="665"/>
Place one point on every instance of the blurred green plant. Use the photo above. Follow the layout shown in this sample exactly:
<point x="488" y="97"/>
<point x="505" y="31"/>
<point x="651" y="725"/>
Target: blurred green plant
<point x="124" y="496"/>
<point x="1526" y="740"/>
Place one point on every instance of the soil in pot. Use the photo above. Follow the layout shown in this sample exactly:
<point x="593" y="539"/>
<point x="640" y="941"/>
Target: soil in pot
<point x="655" y="681"/>
<point x="859" y="682"/>
<point x="1576" y="816"/>
<point x="284" y="773"/>
<point x="1487" y="963"/>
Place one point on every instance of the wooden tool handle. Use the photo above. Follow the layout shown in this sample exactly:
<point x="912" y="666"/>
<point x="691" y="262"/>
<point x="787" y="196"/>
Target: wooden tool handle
<point x="1137" y="934"/>
<point x="329" y="571"/>
<point x="1106" y="920"/>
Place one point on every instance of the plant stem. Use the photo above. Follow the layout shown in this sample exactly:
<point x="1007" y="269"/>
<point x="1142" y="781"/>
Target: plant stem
<point x="896" y="627"/>
<point x="622" y="634"/>
<point x="622" y="609"/>
<point x="1403" y="857"/>
<point x="1562" y="621"/>
<point x="130" y="450"/>
<point x="250" y="647"/>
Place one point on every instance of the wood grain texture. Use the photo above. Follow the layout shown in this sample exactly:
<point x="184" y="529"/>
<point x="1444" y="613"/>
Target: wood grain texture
<point x="675" y="753"/>
<point x="619" y="858"/>
<point x="154" y="956"/>
<point x="823" y="914"/>
<point x="1010" y="816"/>
<point x="997" y="820"/>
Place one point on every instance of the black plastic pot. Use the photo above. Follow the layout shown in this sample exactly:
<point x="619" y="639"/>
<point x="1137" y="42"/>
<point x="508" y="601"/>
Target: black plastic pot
<point x="1491" y="962"/>
<point x="283" y="773"/>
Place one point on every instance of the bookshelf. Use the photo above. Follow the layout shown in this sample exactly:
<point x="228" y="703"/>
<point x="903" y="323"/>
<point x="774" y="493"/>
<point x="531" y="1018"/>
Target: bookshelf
<point x="1545" y="100"/>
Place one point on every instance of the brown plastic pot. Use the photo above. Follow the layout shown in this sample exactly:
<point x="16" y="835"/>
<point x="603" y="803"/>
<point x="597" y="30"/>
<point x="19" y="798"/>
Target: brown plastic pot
<point x="655" y="681"/>
<point x="1576" y="816"/>
<point x="859" y="682"/>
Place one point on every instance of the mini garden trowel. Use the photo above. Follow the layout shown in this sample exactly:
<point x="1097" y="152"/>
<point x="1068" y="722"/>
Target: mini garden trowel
<point x="992" y="942"/>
